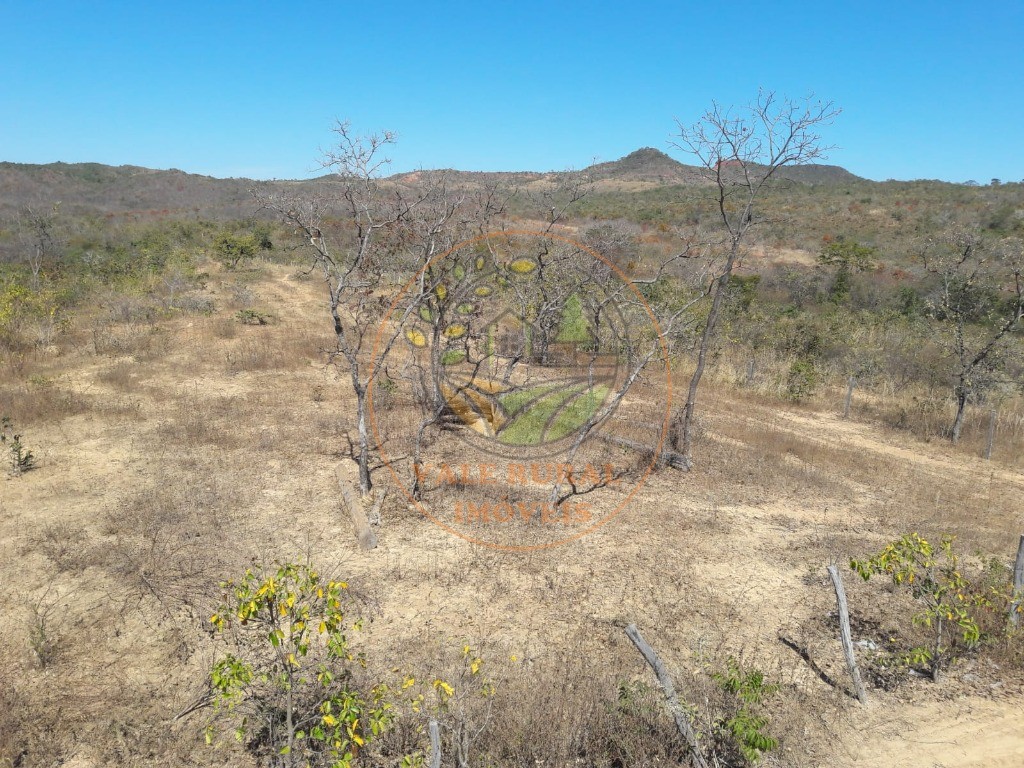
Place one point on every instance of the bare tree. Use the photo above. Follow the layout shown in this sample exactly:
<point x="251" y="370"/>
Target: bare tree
<point x="41" y="235"/>
<point x="637" y="349"/>
<point x="979" y="302"/>
<point x="541" y="308"/>
<point x="741" y="151"/>
<point x="364" y="233"/>
<point x="438" y="298"/>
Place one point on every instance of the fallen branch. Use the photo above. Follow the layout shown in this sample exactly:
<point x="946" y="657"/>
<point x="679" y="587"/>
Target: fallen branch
<point x="205" y="700"/>
<point x="668" y="457"/>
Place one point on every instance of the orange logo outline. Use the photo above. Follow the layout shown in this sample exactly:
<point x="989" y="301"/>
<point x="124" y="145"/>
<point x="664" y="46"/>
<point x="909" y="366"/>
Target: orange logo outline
<point x="373" y="379"/>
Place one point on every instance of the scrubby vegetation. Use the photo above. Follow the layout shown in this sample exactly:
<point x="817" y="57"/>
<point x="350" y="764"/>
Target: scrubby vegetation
<point x="171" y="378"/>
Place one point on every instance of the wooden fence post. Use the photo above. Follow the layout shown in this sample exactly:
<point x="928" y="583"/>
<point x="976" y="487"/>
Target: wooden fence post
<point x="845" y="636"/>
<point x="435" y="744"/>
<point x="991" y="433"/>
<point x="850" y="384"/>
<point x="665" y="681"/>
<point x="1018" y="584"/>
<point x="364" y="533"/>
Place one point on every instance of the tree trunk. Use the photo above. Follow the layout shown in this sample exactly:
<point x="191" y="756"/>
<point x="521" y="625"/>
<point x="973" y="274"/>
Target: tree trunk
<point x="990" y="442"/>
<point x="437" y="399"/>
<point x="289" y="722"/>
<point x="365" y="484"/>
<point x="721" y="286"/>
<point x="961" y="410"/>
<point x="849" y="396"/>
<point x="37" y="267"/>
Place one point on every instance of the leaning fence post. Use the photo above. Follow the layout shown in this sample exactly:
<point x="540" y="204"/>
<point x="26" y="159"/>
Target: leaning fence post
<point x="364" y="533"/>
<point x="845" y="636"/>
<point x="1018" y="584"/>
<point x="682" y="721"/>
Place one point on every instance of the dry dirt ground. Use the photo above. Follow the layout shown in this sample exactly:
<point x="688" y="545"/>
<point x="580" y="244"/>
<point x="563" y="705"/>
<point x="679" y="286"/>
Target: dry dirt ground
<point x="191" y="445"/>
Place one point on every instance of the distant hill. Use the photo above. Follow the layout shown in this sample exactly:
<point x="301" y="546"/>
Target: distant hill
<point x="819" y="174"/>
<point x="475" y="178"/>
<point x="647" y="164"/>
<point x="96" y="188"/>
<point x="653" y="165"/>
<point x="127" y="189"/>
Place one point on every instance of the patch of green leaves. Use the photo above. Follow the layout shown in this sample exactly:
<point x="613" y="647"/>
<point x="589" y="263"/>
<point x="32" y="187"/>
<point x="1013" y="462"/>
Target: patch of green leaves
<point x="253" y="317"/>
<point x="286" y="685"/>
<point x="747" y="727"/>
<point x="933" y="576"/>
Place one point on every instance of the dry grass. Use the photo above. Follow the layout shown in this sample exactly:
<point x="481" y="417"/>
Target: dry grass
<point x="197" y="421"/>
<point x="913" y="410"/>
<point x="142" y="342"/>
<point x="40" y="400"/>
<point x="65" y="545"/>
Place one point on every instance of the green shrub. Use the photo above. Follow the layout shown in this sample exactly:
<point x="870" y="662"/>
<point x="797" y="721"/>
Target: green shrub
<point x="20" y="459"/>
<point x="951" y="604"/>
<point x="287" y="683"/>
<point x="746" y="726"/>
<point x="253" y="317"/>
<point x="801" y="380"/>
<point x="231" y="249"/>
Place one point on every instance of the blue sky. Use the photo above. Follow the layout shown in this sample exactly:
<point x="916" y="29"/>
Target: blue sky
<point x="928" y="90"/>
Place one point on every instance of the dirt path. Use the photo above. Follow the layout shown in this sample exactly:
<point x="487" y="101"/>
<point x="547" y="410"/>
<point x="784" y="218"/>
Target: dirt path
<point x="965" y="733"/>
<point x="830" y="429"/>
